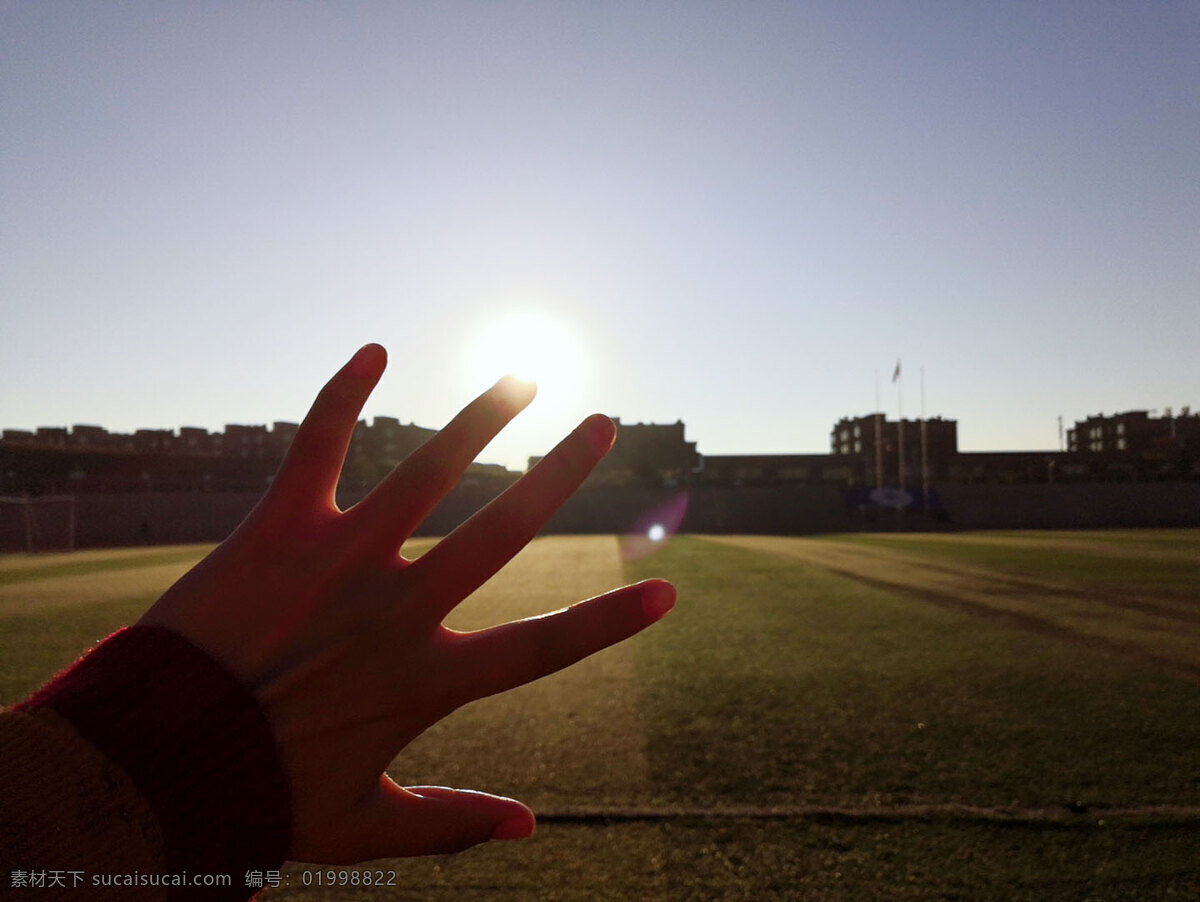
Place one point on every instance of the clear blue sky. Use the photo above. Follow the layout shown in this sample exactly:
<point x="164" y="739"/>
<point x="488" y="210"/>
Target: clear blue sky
<point x="741" y="211"/>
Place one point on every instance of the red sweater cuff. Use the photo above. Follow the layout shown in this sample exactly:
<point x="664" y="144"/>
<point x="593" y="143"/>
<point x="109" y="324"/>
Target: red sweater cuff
<point x="194" y="741"/>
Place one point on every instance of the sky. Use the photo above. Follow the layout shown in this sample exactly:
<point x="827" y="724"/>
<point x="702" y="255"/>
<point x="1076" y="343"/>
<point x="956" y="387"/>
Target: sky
<point x="737" y="215"/>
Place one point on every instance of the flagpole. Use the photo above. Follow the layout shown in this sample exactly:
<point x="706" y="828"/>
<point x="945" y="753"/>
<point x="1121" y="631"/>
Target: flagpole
<point x="900" y="436"/>
<point x="924" y="452"/>
<point x="878" y="435"/>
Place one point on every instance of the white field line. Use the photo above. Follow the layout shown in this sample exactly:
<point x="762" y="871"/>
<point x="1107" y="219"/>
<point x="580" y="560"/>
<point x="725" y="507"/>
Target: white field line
<point x="912" y="812"/>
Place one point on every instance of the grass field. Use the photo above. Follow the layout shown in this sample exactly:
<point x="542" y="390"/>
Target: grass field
<point x="970" y="716"/>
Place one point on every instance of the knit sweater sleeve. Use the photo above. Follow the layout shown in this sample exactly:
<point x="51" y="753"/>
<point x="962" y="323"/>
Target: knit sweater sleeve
<point x="148" y="759"/>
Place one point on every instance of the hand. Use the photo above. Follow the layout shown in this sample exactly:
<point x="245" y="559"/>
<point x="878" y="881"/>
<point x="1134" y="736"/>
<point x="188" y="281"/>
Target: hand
<point x="341" y="640"/>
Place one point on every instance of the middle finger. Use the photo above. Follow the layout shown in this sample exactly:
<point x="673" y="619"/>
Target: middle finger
<point x="469" y="556"/>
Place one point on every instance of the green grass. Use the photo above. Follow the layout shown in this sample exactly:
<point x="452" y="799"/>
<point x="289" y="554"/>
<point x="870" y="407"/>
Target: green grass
<point x="35" y="646"/>
<point x="776" y="683"/>
<point x="30" y="568"/>
<point x="38" y="639"/>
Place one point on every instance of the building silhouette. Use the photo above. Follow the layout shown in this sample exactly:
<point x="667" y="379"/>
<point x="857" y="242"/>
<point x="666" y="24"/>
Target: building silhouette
<point x="873" y="445"/>
<point x="865" y="451"/>
<point x="240" y="458"/>
<point x="646" y="454"/>
<point x="1135" y="432"/>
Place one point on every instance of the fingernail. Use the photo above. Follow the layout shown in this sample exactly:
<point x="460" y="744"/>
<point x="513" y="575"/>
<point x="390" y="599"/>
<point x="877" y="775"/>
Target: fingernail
<point x="519" y="827"/>
<point x="603" y="433"/>
<point x="658" y="600"/>
<point x="368" y="362"/>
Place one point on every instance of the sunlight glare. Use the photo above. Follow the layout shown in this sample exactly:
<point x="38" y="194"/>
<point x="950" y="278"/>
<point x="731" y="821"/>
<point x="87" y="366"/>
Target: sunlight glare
<point x="528" y="344"/>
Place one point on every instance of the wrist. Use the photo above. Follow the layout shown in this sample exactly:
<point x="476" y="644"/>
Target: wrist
<point x="192" y="739"/>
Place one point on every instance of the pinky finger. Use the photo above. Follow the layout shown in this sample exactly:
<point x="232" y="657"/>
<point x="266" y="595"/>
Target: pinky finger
<point x="504" y="657"/>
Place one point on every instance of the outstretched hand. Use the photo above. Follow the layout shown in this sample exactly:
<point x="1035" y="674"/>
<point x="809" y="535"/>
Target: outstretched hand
<point x="341" y="640"/>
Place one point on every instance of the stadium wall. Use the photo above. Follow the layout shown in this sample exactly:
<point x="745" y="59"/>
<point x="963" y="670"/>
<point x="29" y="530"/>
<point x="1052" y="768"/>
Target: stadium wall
<point x="1071" y="506"/>
<point x="180" y="517"/>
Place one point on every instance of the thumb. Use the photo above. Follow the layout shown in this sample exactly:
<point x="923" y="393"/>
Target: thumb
<point x="436" y="820"/>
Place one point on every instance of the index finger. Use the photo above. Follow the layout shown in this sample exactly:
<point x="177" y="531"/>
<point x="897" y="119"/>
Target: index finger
<point x="310" y="470"/>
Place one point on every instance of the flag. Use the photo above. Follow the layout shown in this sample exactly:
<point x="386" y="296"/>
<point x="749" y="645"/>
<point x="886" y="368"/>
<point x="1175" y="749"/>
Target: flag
<point x="896" y="374"/>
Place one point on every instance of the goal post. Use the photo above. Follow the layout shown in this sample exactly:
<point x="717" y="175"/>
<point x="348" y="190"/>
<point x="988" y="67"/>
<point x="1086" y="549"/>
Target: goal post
<point x="42" y="522"/>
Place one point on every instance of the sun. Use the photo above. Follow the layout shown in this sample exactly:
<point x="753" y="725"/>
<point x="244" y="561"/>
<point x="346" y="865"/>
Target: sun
<point x="530" y="344"/>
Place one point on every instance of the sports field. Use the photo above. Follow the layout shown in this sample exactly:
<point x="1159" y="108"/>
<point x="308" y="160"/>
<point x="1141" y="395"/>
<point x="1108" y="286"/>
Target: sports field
<point x="969" y="716"/>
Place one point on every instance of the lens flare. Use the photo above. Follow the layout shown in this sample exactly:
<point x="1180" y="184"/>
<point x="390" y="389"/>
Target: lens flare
<point x="652" y="529"/>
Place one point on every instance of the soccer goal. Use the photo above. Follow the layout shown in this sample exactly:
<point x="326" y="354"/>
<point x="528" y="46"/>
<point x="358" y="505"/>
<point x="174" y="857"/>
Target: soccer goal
<point x="45" y="523"/>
